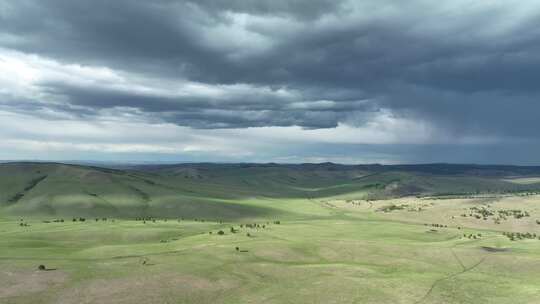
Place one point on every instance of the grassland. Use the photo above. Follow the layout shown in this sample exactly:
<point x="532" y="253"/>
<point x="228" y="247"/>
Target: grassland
<point x="332" y="247"/>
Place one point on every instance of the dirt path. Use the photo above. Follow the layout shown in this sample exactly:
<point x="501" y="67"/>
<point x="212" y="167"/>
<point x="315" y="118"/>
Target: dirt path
<point x="465" y="269"/>
<point x="458" y="259"/>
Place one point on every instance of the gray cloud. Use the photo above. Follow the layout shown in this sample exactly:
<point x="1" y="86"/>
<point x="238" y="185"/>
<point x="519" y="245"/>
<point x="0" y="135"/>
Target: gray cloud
<point x="248" y="108"/>
<point x="468" y="68"/>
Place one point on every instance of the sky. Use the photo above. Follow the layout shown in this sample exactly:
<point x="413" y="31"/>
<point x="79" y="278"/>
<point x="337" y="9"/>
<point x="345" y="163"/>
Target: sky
<point x="372" y="81"/>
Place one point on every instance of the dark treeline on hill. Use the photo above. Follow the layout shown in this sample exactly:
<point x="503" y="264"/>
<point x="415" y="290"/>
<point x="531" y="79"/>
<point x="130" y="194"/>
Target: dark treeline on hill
<point x="435" y="168"/>
<point x="203" y="189"/>
<point x="442" y="168"/>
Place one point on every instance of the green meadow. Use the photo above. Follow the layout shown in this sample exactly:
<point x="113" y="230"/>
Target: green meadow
<point x="161" y="243"/>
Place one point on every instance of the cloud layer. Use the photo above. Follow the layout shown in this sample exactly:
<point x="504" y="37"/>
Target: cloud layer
<point x="267" y="80"/>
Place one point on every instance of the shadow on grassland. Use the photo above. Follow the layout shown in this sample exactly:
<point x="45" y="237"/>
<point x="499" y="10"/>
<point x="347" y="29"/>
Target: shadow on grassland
<point x="119" y="207"/>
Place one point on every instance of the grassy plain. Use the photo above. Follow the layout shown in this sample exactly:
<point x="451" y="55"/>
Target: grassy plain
<point x="325" y="250"/>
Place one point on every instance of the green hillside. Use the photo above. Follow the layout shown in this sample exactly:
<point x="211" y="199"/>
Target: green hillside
<point x="227" y="190"/>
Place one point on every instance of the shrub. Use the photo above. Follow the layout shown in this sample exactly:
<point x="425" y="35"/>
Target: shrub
<point x="221" y="232"/>
<point x="42" y="267"/>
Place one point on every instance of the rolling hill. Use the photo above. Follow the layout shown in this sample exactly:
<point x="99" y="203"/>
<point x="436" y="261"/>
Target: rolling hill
<point x="253" y="233"/>
<point x="208" y="190"/>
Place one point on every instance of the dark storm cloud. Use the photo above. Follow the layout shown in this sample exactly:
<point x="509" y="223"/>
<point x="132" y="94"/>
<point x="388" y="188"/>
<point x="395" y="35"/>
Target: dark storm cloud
<point x="237" y="110"/>
<point x="115" y="33"/>
<point x="470" y="67"/>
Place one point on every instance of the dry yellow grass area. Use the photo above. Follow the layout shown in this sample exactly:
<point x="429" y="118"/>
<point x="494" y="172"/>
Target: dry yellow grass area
<point x="15" y="283"/>
<point x="523" y="180"/>
<point x="458" y="212"/>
